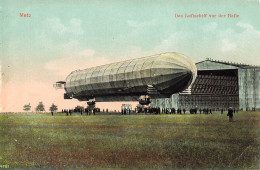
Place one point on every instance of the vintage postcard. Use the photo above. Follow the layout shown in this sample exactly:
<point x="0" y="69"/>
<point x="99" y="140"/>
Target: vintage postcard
<point x="134" y="84"/>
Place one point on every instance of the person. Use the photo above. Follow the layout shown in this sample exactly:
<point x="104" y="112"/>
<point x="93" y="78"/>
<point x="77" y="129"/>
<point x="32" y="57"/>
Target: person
<point x="230" y="114"/>
<point x="52" y="113"/>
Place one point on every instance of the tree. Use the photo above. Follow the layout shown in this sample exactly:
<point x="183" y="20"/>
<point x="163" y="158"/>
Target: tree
<point x="40" y="107"/>
<point x="79" y="108"/>
<point x="53" y="108"/>
<point x="27" y="107"/>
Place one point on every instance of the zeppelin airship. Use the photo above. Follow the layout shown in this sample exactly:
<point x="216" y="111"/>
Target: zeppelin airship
<point x="157" y="76"/>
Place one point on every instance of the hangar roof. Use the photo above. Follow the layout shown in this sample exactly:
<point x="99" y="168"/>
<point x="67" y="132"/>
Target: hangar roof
<point x="210" y="64"/>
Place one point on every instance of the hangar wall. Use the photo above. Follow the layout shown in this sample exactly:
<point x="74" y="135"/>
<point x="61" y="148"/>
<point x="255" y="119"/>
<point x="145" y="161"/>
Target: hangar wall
<point x="249" y="88"/>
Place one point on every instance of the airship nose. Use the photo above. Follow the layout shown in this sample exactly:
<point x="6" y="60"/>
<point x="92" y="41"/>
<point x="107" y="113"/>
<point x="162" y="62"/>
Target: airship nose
<point x="174" y="63"/>
<point x="179" y="72"/>
<point x="188" y="66"/>
<point x="192" y="70"/>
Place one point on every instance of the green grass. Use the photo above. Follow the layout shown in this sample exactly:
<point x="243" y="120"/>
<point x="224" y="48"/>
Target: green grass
<point x="132" y="141"/>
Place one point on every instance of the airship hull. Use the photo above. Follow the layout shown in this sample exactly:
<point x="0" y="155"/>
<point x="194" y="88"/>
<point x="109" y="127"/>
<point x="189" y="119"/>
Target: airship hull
<point x="157" y="76"/>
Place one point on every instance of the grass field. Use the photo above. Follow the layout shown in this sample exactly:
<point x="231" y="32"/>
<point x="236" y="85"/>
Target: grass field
<point x="130" y="141"/>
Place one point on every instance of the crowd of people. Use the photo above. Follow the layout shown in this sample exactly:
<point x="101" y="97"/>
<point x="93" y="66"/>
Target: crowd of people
<point x="155" y="110"/>
<point x="81" y="111"/>
<point x="152" y="110"/>
<point x="158" y="110"/>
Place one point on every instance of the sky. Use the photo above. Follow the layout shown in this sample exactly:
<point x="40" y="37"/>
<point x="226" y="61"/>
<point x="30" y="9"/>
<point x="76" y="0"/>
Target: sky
<point x="63" y="36"/>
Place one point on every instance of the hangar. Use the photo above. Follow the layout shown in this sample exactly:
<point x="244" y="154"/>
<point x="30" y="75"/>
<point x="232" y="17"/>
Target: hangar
<point x="218" y="85"/>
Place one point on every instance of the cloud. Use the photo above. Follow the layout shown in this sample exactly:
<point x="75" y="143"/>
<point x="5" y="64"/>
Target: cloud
<point x="176" y="42"/>
<point x="248" y="43"/>
<point x="87" y="52"/>
<point x="81" y="60"/>
<point x="212" y="26"/>
<point x="139" y="25"/>
<point x="14" y="95"/>
<point x="227" y="46"/>
<point x="74" y="26"/>
<point x="242" y="46"/>
<point x="245" y="26"/>
<point x="136" y="32"/>
<point x="249" y="35"/>
<point x="230" y="44"/>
